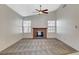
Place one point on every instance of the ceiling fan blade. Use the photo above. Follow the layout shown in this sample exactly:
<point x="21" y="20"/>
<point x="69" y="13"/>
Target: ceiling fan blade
<point x="45" y="10"/>
<point x="37" y="10"/>
<point x="34" y="12"/>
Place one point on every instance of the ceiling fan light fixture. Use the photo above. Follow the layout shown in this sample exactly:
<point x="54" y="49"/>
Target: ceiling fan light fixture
<point x="40" y="13"/>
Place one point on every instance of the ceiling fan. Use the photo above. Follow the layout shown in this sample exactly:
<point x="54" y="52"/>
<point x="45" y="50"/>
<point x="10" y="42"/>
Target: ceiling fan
<point x="42" y="11"/>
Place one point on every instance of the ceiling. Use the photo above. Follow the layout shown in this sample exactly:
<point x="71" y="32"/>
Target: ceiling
<point x="29" y="9"/>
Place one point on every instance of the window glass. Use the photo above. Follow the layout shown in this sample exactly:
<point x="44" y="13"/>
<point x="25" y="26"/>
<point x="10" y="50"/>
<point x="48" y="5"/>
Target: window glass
<point x="27" y="26"/>
<point x="51" y="26"/>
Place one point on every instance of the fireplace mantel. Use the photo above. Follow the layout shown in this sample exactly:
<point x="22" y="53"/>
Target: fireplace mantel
<point x="35" y="30"/>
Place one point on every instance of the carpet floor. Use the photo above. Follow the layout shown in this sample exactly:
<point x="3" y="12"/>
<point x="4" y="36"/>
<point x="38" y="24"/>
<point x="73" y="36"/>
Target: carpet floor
<point x="38" y="47"/>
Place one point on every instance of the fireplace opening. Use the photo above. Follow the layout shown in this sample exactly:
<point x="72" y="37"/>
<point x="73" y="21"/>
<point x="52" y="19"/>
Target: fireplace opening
<point x="39" y="34"/>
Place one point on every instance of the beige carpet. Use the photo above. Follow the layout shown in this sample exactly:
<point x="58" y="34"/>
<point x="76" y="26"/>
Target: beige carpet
<point x="38" y="47"/>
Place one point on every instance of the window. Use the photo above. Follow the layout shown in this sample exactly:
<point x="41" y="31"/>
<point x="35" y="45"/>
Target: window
<point x="51" y="26"/>
<point x="27" y="26"/>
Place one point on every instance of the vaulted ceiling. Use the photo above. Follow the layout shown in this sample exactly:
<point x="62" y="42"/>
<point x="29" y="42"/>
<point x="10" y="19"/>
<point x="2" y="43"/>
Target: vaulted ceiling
<point x="29" y="9"/>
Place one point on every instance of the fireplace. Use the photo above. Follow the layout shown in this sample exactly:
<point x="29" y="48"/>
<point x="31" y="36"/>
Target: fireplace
<point x="39" y="33"/>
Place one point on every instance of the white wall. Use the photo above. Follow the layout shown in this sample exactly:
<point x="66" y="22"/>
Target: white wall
<point x="40" y="21"/>
<point x="10" y="23"/>
<point x="67" y="19"/>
